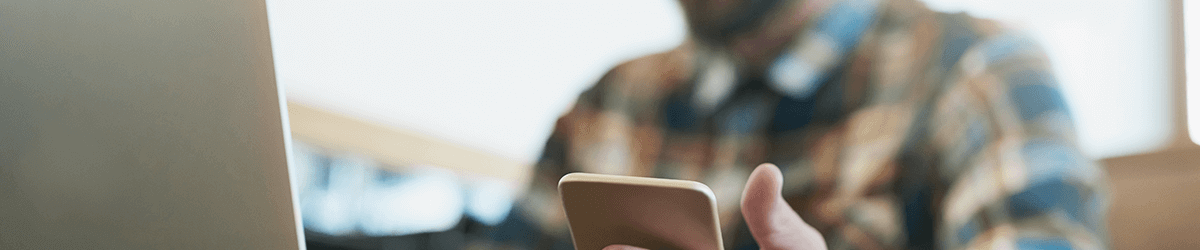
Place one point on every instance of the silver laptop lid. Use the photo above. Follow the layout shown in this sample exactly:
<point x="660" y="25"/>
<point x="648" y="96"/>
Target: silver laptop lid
<point x="141" y="124"/>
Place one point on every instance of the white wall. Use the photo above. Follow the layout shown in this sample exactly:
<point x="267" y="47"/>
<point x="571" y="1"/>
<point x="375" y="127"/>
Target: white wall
<point x="1191" y="17"/>
<point x="495" y="74"/>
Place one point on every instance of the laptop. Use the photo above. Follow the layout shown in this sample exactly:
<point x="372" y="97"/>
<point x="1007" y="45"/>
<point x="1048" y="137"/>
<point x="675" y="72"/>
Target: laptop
<point x="142" y="124"/>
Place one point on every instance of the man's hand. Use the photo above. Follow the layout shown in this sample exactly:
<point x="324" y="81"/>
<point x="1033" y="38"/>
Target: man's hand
<point x="774" y="224"/>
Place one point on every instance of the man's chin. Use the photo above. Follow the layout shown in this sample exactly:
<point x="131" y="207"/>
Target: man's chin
<point x="709" y="37"/>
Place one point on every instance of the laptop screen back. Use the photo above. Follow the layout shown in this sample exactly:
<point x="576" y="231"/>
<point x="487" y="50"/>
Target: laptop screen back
<point x="141" y="124"/>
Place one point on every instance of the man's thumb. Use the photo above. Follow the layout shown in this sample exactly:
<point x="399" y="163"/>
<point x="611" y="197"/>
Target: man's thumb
<point x="774" y="224"/>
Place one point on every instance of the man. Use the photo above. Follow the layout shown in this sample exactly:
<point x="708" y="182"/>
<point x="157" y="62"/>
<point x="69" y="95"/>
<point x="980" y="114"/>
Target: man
<point x="893" y="126"/>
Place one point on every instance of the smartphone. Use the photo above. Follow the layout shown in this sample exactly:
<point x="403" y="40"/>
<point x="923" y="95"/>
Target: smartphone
<point x="650" y="213"/>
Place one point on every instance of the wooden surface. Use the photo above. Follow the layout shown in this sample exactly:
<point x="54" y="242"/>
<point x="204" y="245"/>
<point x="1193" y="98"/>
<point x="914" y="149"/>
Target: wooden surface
<point x="396" y="148"/>
<point x="1156" y="200"/>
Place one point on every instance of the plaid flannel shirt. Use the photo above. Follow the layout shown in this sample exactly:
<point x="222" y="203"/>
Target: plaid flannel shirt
<point x="895" y="127"/>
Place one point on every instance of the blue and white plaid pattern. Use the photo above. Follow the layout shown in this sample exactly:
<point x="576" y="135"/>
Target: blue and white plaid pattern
<point x="895" y="127"/>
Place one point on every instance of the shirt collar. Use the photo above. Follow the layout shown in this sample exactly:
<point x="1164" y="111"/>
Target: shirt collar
<point x="801" y="68"/>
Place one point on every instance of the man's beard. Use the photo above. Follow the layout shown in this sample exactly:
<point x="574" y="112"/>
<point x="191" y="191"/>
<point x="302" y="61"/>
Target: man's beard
<point x="745" y="17"/>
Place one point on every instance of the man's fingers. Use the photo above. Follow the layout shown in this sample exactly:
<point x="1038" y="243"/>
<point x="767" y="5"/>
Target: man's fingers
<point x="772" y="222"/>
<point x="622" y="247"/>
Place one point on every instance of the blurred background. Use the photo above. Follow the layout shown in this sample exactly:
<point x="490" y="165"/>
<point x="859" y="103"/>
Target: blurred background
<point x="417" y="121"/>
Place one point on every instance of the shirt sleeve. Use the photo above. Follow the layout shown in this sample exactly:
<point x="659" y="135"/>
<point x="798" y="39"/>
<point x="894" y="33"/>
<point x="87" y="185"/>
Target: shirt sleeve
<point x="1011" y="174"/>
